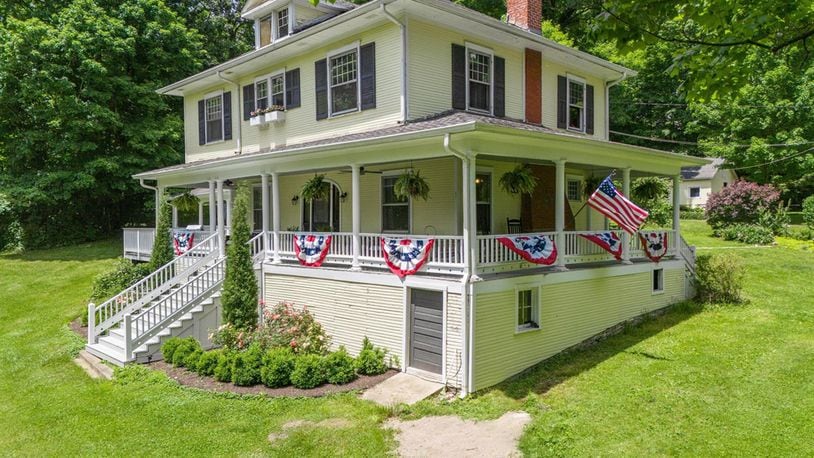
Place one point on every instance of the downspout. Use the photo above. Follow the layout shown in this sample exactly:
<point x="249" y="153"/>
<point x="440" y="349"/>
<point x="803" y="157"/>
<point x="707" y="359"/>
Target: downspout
<point x="403" y="28"/>
<point x="239" y="112"/>
<point x="608" y="85"/>
<point x="467" y="289"/>
<point x="157" y="197"/>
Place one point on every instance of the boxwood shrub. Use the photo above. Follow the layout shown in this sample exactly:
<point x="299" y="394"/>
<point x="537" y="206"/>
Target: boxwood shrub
<point x="371" y="359"/>
<point x="191" y="361"/>
<point x="309" y="371"/>
<point x="207" y="363"/>
<point x="278" y="363"/>
<point x="187" y="346"/>
<point x="168" y="348"/>
<point x="223" y="370"/>
<point x="246" y="366"/>
<point x="341" y="367"/>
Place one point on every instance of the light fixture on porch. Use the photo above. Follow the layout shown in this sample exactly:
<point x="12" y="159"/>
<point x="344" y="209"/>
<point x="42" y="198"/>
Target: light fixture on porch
<point x="295" y="199"/>
<point x="343" y="196"/>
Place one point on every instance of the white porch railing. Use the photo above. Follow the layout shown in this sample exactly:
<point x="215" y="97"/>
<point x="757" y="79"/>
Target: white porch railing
<point x="637" y="250"/>
<point x="109" y="313"/>
<point x="138" y="241"/>
<point x="578" y="249"/>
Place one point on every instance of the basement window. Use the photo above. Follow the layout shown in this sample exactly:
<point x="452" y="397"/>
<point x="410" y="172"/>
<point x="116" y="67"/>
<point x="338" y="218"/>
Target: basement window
<point x="658" y="281"/>
<point x="527" y="309"/>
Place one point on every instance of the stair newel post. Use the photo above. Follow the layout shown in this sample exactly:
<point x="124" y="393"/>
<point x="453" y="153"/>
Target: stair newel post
<point x="91" y="323"/>
<point x="128" y="333"/>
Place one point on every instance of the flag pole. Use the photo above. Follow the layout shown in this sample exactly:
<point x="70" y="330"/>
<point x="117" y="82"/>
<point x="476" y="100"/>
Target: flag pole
<point x="611" y="175"/>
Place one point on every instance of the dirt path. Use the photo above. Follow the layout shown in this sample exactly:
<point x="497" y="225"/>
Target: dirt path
<point x="452" y="436"/>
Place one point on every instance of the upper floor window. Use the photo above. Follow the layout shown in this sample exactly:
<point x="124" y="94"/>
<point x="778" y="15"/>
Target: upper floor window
<point x="278" y="90"/>
<point x="576" y="104"/>
<point x="344" y="87"/>
<point x="274" y="26"/>
<point x="282" y="23"/>
<point x="214" y="118"/>
<point x="261" y="92"/>
<point x="480" y="81"/>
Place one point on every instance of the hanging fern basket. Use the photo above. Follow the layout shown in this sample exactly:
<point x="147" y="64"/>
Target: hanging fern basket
<point x="520" y="180"/>
<point x="411" y="184"/>
<point x="314" y="189"/>
<point x="186" y="202"/>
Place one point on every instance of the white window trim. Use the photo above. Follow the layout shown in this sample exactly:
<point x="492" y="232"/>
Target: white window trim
<point x="535" y="307"/>
<point x="480" y="49"/>
<point x="331" y="209"/>
<point x="576" y="79"/>
<point x="388" y="174"/>
<point x="656" y="292"/>
<point x="336" y="52"/>
<point x="275" y="33"/>
<point x="490" y="171"/>
<point x="267" y="78"/>
<point x="580" y="181"/>
<point x="212" y="95"/>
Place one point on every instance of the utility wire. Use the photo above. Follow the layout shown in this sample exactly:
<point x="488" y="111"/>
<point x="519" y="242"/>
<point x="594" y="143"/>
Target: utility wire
<point x="791" y="156"/>
<point x="735" y="145"/>
<point x="719" y="105"/>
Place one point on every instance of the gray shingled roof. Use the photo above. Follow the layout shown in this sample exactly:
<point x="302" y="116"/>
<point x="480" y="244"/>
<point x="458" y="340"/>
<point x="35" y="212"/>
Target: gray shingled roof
<point x="704" y="172"/>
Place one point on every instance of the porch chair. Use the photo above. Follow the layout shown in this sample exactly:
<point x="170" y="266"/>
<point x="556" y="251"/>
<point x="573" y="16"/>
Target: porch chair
<point x="513" y="225"/>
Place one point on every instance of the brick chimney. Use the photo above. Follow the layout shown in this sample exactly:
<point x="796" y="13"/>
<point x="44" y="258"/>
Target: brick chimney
<point x="526" y="14"/>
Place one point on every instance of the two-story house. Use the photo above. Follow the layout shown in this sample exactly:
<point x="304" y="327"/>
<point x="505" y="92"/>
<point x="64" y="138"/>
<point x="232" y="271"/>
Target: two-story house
<point x="361" y="95"/>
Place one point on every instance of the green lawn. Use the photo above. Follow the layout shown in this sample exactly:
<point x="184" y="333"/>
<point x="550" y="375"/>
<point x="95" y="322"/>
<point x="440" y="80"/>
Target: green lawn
<point x="698" y="380"/>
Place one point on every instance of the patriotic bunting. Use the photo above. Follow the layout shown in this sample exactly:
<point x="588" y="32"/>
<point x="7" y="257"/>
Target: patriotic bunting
<point x="182" y="242"/>
<point x="654" y="244"/>
<point x="613" y="204"/>
<point x="406" y="256"/>
<point x="539" y="249"/>
<point x="609" y="242"/>
<point x="311" y="249"/>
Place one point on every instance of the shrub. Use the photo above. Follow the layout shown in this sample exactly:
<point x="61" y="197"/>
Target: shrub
<point x="239" y="298"/>
<point x="371" y="359"/>
<point x="246" y="366"/>
<point x="278" y="363"/>
<point x="776" y="220"/>
<point x="309" y="371"/>
<point x="802" y="234"/>
<point x="741" y="202"/>
<point x="168" y="348"/>
<point x="340" y="366"/>
<point x="191" y="361"/>
<point x="285" y="326"/>
<point x="808" y="212"/>
<point x="162" y="245"/>
<point x="123" y="274"/>
<point x="223" y="370"/>
<point x="207" y="362"/>
<point x="719" y="278"/>
<point x="748" y="233"/>
<point x="186" y="347"/>
<point x="692" y="213"/>
<point x="231" y="338"/>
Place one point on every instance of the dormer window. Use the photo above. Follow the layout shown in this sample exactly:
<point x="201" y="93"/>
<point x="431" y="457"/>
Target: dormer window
<point x="275" y="26"/>
<point x="282" y="23"/>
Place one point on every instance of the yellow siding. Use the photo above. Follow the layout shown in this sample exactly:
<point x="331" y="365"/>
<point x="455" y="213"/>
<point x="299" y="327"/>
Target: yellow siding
<point x="301" y="124"/>
<point x="569" y="313"/>
<point x="430" y="69"/>
<point x="348" y="311"/>
<point x="550" y="72"/>
<point x="454" y="350"/>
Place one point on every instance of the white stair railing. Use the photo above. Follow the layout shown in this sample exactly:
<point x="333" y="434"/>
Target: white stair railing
<point x="112" y="311"/>
<point x="141" y="327"/>
<point x="257" y="248"/>
<point x="687" y="253"/>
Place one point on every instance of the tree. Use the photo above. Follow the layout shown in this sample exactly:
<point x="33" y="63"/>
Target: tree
<point x="79" y="114"/>
<point x="651" y="194"/>
<point x="239" y="299"/>
<point x="227" y="34"/>
<point x="162" y="245"/>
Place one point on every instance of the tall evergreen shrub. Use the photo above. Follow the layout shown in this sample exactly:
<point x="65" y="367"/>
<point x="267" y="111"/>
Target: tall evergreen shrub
<point x="239" y="297"/>
<point x="162" y="247"/>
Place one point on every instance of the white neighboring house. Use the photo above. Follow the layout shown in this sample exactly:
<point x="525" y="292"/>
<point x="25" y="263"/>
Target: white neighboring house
<point x="698" y="182"/>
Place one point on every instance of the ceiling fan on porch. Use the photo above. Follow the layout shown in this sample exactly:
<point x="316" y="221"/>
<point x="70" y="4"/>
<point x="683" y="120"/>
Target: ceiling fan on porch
<point x="363" y="171"/>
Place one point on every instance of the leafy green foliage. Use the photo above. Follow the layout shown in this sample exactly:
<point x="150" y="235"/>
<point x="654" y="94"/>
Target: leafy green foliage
<point x="246" y="366"/>
<point x="192" y="359"/>
<point x="341" y="367"/>
<point x="163" y="251"/>
<point x="186" y="347"/>
<point x="168" y="348"/>
<point x="651" y="194"/>
<point x="207" y="363"/>
<point x="227" y="34"/>
<point x="719" y="278"/>
<point x="411" y="184"/>
<point x="808" y="212"/>
<point x="692" y="213"/>
<point x="278" y="363"/>
<point x="186" y="202"/>
<point x="740" y="202"/>
<point x="231" y="338"/>
<point x="239" y="299"/>
<point x="123" y="274"/>
<point x="519" y="180"/>
<point x="315" y="188"/>
<point x="752" y="234"/>
<point x="309" y="371"/>
<point x="370" y="360"/>
<point x="223" y="370"/>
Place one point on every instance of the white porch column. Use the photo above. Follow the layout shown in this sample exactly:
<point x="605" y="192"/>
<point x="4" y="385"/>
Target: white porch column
<point x="264" y="184"/>
<point x="212" y="206"/>
<point x="677" y="211"/>
<point x="559" y="211"/>
<point x="221" y="221"/>
<point x="275" y="214"/>
<point x="174" y="216"/>
<point x="625" y="235"/>
<point x="356" y="200"/>
<point x="466" y="229"/>
<point x="471" y="202"/>
<point x="229" y="208"/>
<point x="200" y="213"/>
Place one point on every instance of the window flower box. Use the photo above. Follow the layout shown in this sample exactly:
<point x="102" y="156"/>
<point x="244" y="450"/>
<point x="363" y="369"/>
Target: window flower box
<point x="276" y="116"/>
<point x="258" y="120"/>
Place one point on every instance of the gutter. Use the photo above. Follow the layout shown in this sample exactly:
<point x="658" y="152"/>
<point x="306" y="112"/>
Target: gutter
<point x="157" y="197"/>
<point x="403" y="28"/>
<point x="239" y="108"/>
<point x="608" y="85"/>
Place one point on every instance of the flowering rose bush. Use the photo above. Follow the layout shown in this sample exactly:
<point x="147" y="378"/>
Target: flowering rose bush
<point x="230" y="338"/>
<point x="740" y="202"/>
<point x="286" y="326"/>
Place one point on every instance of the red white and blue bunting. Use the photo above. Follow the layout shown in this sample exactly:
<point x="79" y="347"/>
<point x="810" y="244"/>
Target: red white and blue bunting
<point x="311" y="249"/>
<point x="608" y="241"/>
<point x="654" y="244"/>
<point x="406" y="256"/>
<point x="182" y="242"/>
<point x="539" y="249"/>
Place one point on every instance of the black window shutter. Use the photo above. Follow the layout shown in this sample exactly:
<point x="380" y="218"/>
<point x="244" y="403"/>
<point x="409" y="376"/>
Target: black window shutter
<point x="292" y="88"/>
<point x="562" y="101"/>
<point x="589" y="109"/>
<point x="458" y="77"/>
<point x="201" y="122"/>
<point x="367" y="71"/>
<point x="321" y="89"/>
<point x="248" y="101"/>
<point x="500" y="87"/>
<point x="227" y="115"/>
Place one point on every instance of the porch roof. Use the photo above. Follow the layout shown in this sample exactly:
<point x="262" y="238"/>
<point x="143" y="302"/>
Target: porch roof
<point x="481" y="130"/>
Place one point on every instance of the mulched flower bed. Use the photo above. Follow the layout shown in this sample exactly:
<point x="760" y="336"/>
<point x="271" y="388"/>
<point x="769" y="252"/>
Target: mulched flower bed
<point x="191" y="379"/>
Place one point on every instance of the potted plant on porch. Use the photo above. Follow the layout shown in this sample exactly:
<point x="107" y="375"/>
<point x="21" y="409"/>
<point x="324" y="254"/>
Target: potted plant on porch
<point x="520" y="180"/>
<point x="411" y="184"/>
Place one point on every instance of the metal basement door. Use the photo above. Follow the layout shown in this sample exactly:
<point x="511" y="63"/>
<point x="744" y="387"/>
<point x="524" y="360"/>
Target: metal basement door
<point x="426" y="329"/>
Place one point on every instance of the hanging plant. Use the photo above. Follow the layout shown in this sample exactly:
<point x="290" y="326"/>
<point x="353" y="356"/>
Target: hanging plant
<point x="314" y="189"/>
<point x="521" y="180"/>
<point x="411" y="184"/>
<point x="186" y="202"/>
<point x="590" y="185"/>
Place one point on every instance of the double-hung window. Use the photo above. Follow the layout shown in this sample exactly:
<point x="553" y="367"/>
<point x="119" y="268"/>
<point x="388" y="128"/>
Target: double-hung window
<point x="483" y="193"/>
<point x="343" y="70"/>
<point x="282" y="23"/>
<point x="270" y="92"/>
<point x="527" y="309"/>
<point x="574" y="189"/>
<point x="261" y="94"/>
<point x="395" y="210"/>
<point x="479" y="71"/>
<point x="278" y="90"/>
<point x="576" y="104"/>
<point x="214" y="118"/>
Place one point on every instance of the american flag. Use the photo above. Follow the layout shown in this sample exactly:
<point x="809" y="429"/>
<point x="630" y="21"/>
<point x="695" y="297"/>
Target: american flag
<point x="618" y="208"/>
